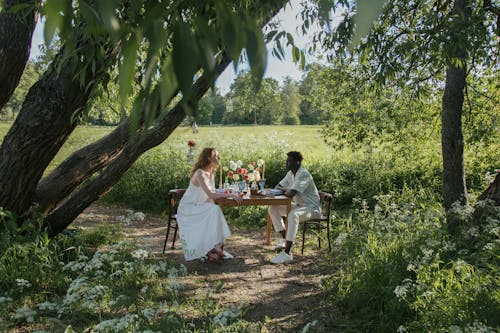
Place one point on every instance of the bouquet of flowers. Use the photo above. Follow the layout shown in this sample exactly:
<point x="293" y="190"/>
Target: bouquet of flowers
<point x="236" y="172"/>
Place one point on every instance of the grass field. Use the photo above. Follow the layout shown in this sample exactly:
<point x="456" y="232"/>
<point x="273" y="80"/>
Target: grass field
<point x="306" y="139"/>
<point x="361" y="173"/>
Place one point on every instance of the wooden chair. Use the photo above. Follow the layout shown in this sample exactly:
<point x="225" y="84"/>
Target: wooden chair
<point x="174" y="196"/>
<point x="322" y="222"/>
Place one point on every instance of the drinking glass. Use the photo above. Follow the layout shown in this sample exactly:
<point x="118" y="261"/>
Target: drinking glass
<point x="262" y="184"/>
<point x="241" y="185"/>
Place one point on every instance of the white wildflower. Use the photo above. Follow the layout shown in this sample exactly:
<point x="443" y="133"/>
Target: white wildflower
<point x="223" y="317"/>
<point x="73" y="266"/>
<point x="172" y="272"/>
<point x="4" y="299"/>
<point x="105" y="325"/>
<point x="148" y="313"/>
<point x="400" y="291"/>
<point x="488" y="247"/>
<point x="473" y="231"/>
<point x="47" y="306"/>
<point x="126" y="322"/>
<point x="139" y="216"/>
<point x="308" y="326"/>
<point x="22" y="283"/>
<point x="455" y="329"/>
<point x="116" y="274"/>
<point x="159" y="267"/>
<point x="182" y="270"/>
<point x="101" y="273"/>
<point x="411" y="267"/>
<point x="340" y="239"/>
<point x="173" y="284"/>
<point x="25" y="314"/>
<point x="140" y="254"/>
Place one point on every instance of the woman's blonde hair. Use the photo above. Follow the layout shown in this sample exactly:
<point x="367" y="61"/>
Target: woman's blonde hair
<point x="204" y="159"/>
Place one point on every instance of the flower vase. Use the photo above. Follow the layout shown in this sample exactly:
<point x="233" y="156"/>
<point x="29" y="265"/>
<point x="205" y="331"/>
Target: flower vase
<point x="190" y="156"/>
<point x="241" y="185"/>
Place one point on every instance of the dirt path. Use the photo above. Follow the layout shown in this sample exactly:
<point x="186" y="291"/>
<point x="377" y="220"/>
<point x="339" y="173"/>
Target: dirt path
<point x="289" y="295"/>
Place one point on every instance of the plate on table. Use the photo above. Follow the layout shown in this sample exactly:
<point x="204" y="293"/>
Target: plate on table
<point x="271" y="192"/>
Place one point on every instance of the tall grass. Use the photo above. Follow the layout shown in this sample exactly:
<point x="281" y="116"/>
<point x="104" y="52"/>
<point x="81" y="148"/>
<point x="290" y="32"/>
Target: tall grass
<point x="400" y="270"/>
<point x="346" y="174"/>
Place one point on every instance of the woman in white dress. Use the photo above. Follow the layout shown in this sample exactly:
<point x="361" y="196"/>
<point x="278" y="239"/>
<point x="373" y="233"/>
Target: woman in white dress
<point x="202" y="225"/>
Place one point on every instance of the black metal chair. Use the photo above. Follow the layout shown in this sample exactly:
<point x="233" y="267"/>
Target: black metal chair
<point x="174" y="196"/>
<point x="322" y="222"/>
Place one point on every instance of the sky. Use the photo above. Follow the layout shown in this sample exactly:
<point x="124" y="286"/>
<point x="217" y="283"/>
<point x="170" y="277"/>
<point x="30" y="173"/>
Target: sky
<point x="275" y="68"/>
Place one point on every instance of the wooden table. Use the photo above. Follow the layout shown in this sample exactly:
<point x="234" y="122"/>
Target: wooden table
<point x="260" y="200"/>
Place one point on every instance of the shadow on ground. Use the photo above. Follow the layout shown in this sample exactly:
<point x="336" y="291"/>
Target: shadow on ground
<point x="286" y="296"/>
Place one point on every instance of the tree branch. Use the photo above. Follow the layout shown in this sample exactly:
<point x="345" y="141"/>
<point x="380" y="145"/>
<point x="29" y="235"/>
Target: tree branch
<point x="64" y="215"/>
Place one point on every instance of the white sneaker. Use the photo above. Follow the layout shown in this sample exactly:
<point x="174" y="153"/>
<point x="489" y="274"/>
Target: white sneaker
<point x="282" y="258"/>
<point x="280" y="245"/>
<point x="227" y="255"/>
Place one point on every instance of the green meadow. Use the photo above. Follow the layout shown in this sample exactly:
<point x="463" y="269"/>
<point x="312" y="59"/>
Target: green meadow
<point x="361" y="173"/>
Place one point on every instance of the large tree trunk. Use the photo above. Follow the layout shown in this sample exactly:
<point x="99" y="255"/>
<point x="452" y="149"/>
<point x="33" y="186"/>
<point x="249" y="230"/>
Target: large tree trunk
<point x="16" y="31"/>
<point x="79" y="166"/>
<point x="452" y="141"/>
<point x="49" y="114"/>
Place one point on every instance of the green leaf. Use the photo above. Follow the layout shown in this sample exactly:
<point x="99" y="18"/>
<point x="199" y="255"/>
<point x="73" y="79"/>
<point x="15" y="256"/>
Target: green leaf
<point x="53" y="20"/>
<point x="295" y="54"/>
<point x="324" y="8"/>
<point x="207" y="44"/>
<point x="270" y="35"/>
<point x="88" y="12"/>
<point x="256" y="51"/>
<point x="127" y="67"/>
<point x="367" y="12"/>
<point x="184" y="57"/>
<point x="233" y="34"/>
<point x="108" y="13"/>
<point x="168" y="83"/>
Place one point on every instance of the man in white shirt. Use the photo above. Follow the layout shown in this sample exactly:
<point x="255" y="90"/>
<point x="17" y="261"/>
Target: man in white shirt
<point x="298" y="184"/>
